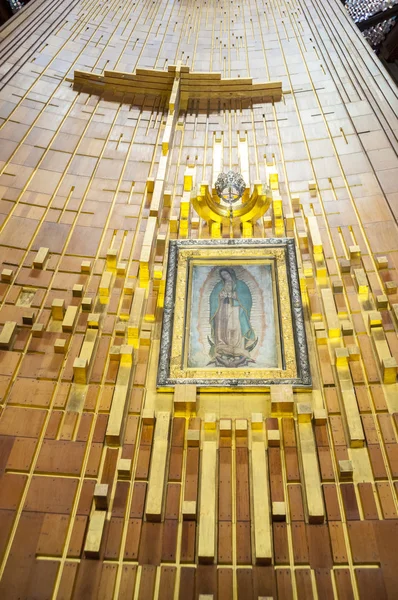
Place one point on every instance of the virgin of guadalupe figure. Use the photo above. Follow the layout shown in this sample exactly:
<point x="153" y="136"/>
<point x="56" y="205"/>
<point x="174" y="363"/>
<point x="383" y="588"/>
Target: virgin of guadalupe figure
<point x="232" y="336"/>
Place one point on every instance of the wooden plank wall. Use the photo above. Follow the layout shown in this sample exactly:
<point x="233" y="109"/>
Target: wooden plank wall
<point x="102" y="480"/>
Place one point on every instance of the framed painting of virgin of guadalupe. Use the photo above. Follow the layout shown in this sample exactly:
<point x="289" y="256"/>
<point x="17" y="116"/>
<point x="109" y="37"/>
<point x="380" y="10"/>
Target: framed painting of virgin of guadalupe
<point x="233" y="315"/>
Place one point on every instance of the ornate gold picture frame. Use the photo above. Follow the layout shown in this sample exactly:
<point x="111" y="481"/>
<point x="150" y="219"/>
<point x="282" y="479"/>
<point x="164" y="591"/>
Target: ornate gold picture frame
<point x="233" y="315"/>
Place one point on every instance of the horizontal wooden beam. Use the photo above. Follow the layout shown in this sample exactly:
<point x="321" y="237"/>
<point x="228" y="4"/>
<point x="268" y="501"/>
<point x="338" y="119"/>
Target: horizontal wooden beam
<point x="193" y="85"/>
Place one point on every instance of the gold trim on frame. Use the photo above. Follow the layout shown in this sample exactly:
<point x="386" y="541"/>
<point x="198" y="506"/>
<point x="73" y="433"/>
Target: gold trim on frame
<point x="240" y="255"/>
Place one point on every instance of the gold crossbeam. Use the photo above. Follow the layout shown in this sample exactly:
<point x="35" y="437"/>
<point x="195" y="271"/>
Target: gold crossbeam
<point x="193" y="85"/>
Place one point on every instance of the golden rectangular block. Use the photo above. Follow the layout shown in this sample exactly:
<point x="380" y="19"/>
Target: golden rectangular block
<point x="312" y="481"/>
<point x="210" y="421"/>
<point x="274" y="437"/>
<point x="207" y="503"/>
<point x="193" y="437"/>
<point x="85" y="266"/>
<point x="101" y="496"/>
<point x="277" y="206"/>
<point x="354" y="425"/>
<point x="185" y="396"/>
<point x="240" y="427"/>
<point x="40" y="258"/>
<point x="189" y="510"/>
<point x="161" y="239"/>
<point x="355" y="251"/>
<point x="174" y="96"/>
<point x="156" y="202"/>
<point x="337" y="286"/>
<point x="94" y="534"/>
<point x="315" y="235"/>
<point x="247" y="230"/>
<point x="389" y="369"/>
<point x="126" y="354"/>
<point x="225" y="427"/>
<point x="105" y="283"/>
<point x="157" y="474"/>
<point x="121" y="268"/>
<point x="395" y="312"/>
<point x="195" y="222"/>
<point x="279" y="511"/>
<point x="391" y="287"/>
<point x="304" y="412"/>
<point x="244" y="161"/>
<point x="341" y="355"/>
<point x="347" y="328"/>
<point x="149" y="236"/>
<point x="346" y="470"/>
<point x="120" y="329"/>
<point x="381" y="302"/>
<point x="80" y="368"/>
<point x="267" y="221"/>
<point x="6" y="275"/>
<point x="382" y="262"/>
<point x="189" y="177"/>
<point x="308" y="268"/>
<point x="345" y="265"/>
<point x="167" y="134"/>
<point x="320" y="416"/>
<point x="129" y="287"/>
<point x="70" y="318"/>
<point x="124" y="468"/>
<point x="257" y="421"/>
<point x="28" y="318"/>
<point x="361" y="282"/>
<point x="93" y="320"/>
<point x="148" y="416"/>
<point x="58" y="309"/>
<point x="261" y="507"/>
<point x="7" y="334"/>
<point x="136" y="314"/>
<point x="173" y="223"/>
<point x="117" y="416"/>
<point x="111" y="258"/>
<point x="321" y="337"/>
<point x="155" y="208"/>
<point x="386" y="361"/>
<point x="60" y="346"/>
<point x="114" y="353"/>
<point x="87" y="304"/>
<point x="218" y="158"/>
<point x="145" y="337"/>
<point x="303" y="240"/>
<point x="332" y="320"/>
<point x="282" y="399"/>
<point x="374" y="318"/>
<point x="320" y="266"/>
<point x="289" y="222"/>
<point x="87" y="349"/>
<point x="356" y="437"/>
<point x="295" y="203"/>
<point x="37" y="329"/>
<point x="354" y="353"/>
<point x="77" y="290"/>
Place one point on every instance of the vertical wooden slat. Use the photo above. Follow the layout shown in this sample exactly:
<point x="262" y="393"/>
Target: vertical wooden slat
<point x="312" y="483"/>
<point x="261" y="505"/>
<point x="157" y="473"/>
<point x="207" y="508"/>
